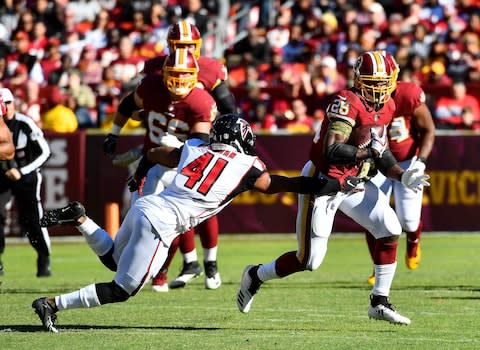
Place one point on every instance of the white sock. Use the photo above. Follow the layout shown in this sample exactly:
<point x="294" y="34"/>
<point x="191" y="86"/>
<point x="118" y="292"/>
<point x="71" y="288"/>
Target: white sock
<point x="190" y="256"/>
<point x="210" y="254"/>
<point x="97" y="238"/>
<point x="383" y="279"/>
<point x="82" y="298"/>
<point x="267" y="271"/>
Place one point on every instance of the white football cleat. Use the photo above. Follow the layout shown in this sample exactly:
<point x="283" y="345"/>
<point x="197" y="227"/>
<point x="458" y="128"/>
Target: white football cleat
<point x="212" y="277"/>
<point x="247" y="291"/>
<point x="387" y="313"/>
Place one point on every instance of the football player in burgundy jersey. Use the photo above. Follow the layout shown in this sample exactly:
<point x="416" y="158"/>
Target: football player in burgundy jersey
<point x="212" y="77"/>
<point x="368" y="102"/>
<point x="411" y="136"/>
<point x="210" y="174"/>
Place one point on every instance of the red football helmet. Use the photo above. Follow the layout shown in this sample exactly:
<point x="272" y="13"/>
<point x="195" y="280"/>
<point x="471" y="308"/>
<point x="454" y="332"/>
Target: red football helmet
<point x="184" y="33"/>
<point x="180" y="72"/>
<point x="374" y="77"/>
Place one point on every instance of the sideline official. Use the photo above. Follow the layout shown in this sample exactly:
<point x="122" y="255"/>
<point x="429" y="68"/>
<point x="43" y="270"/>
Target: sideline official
<point x="21" y="178"/>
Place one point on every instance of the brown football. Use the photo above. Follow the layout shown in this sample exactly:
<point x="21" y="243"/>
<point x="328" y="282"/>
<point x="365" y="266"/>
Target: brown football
<point x="361" y="136"/>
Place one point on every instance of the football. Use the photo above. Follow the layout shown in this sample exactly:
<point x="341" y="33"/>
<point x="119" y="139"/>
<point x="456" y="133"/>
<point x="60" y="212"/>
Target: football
<point x="361" y="136"/>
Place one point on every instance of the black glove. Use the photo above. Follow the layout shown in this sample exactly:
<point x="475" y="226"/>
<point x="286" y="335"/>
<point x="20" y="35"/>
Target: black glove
<point x="350" y="183"/>
<point x="135" y="185"/>
<point x="110" y="144"/>
<point x="132" y="184"/>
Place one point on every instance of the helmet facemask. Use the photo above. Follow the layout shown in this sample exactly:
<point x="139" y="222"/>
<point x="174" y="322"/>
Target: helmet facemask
<point x="180" y="72"/>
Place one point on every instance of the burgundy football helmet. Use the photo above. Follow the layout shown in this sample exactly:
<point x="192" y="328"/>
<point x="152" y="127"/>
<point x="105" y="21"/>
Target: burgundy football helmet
<point x="180" y="72"/>
<point x="184" y="33"/>
<point x="374" y="77"/>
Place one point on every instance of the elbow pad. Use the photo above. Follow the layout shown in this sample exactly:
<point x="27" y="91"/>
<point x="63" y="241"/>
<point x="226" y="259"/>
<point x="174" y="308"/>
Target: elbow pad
<point x="127" y="106"/>
<point x="224" y="99"/>
<point x="341" y="154"/>
<point x="387" y="161"/>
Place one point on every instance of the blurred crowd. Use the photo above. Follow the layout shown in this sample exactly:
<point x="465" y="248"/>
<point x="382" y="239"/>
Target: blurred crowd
<point x="68" y="62"/>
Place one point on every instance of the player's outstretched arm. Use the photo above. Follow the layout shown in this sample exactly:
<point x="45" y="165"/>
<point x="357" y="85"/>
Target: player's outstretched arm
<point x="270" y="184"/>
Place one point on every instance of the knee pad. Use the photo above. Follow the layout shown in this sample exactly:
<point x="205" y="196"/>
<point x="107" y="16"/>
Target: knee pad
<point x="110" y="293"/>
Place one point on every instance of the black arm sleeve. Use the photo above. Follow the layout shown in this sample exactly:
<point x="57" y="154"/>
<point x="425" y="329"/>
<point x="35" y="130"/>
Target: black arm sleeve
<point x="341" y="154"/>
<point x="127" y="106"/>
<point x="387" y="161"/>
<point x="320" y="186"/>
<point x="143" y="167"/>
<point x="224" y="99"/>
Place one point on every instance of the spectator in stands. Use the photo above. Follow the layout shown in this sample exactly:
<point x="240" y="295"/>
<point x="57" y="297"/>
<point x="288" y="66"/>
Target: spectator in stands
<point x="81" y="100"/>
<point x="98" y="34"/>
<point x="328" y="81"/>
<point x="471" y="42"/>
<point x="108" y="97"/>
<point x="297" y="120"/>
<point x="56" y="116"/>
<point x="461" y="111"/>
<point x="128" y="65"/>
<point x="295" y="51"/>
<point x="90" y="66"/>
<point x="196" y="14"/>
<point x="52" y="60"/>
<point x="348" y="40"/>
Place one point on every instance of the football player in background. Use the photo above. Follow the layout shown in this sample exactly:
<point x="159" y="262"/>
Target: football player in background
<point x="212" y="77"/>
<point x="368" y="102"/>
<point x="7" y="149"/>
<point x="411" y="136"/>
<point x="209" y="175"/>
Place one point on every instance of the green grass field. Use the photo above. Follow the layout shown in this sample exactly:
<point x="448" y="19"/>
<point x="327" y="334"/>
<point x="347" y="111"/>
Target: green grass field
<point x="325" y="309"/>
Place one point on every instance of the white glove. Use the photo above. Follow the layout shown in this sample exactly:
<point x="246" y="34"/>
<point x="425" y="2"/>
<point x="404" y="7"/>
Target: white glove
<point x="414" y="179"/>
<point x="170" y="140"/>
<point x="379" y="143"/>
<point x="125" y="159"/>
<point x="417" y="164"/>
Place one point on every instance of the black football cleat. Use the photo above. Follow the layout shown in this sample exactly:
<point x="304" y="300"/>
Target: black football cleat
<point x="46" y="313"/>
<point x="63" y="216"/>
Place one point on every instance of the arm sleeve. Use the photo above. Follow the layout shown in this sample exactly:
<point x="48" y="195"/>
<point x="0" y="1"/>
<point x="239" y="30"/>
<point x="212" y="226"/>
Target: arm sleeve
<point x="224" y="99"/>
<point x="39" y="147"/>
<point x="341" y="154"/>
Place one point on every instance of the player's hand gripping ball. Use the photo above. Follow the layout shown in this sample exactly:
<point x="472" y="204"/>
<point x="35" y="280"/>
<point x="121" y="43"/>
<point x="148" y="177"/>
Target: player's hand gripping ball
<point x="361" y="136"/>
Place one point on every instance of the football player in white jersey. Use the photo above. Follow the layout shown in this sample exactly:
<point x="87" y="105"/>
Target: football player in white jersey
<point x="209" y="176"/>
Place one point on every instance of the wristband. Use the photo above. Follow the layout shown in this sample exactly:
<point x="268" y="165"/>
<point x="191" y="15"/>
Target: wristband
<point x="115" y="129"/>
<point x="422" y="159"/>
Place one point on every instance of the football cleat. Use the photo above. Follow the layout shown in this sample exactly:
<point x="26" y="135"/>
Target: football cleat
<point x="63" y="216"/>
<point x="385" y="311"/>
<point x="189" y="271"/>
<point x="212" y="277"/>
<point x="159" y="282"/>
<point x="249" y="286"/>
<point x="46" y="313"/>
<point x="413" y="262"/>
